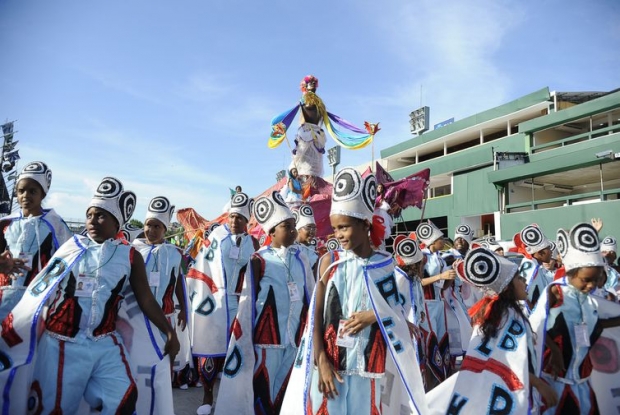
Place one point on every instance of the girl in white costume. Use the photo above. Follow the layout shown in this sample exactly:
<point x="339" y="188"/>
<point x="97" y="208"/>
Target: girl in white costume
<point x="163" y="269"/>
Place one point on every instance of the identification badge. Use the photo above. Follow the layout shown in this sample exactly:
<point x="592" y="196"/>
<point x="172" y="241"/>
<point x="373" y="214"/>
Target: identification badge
<point x="85" y="285"/>
<point x="154" y="278"/>
<point x="293" y="293"/>
<point x="27" y="258"/>
<point x="581" y="335"/>
<point x="234" y="252"/>
<point x="344" y="339"/>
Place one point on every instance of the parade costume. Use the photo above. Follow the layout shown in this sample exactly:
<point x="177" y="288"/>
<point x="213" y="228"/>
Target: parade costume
<point x="267" y="330"/>
<point x="447" y="329"/>
<point x="162" y="263"/>
<point x="34" y="239"/>
<point x="529" y="241"/>
<point x="574" y="325"/>
<point x="310" y="137"/>
<point x="609" y="244"/>
<point x="305" y="216"/>
<point x="379" y="355"/>
<point x="498" y="366"/>
<point x="407" y="252"/>
<point x="81" y="355"/>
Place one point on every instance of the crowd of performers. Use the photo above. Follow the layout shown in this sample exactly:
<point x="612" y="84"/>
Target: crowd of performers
<point x="98" y="322"/>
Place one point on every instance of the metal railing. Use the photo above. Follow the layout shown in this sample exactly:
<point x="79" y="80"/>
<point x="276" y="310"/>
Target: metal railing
<point x="568" y="200"/>
<point x="579" y="137"/>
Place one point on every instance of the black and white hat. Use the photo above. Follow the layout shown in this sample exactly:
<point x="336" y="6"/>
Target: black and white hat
<point x="271" y="210"/>
<point x="160" y="209"/>
<point x="112" y="197"/>
<point x="609" y="244"/>
<point x="427" y="233"/>
<point x="303" y="216"/>
<point x="39" y="172"/>
<point x="131" y="232"/>
<point x="353" y="195"/>
<point x="406" y="250"/>
<point x="532" y="239"/>
<point x="241" y="204"/>
<point x="332" y="244"/>
<point x="486" y="270"/>
<point x="579" y="247"/>
<point x="465" y="232"/>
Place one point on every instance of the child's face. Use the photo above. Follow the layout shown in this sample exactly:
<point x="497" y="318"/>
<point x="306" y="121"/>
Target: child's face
<point x="155" y="231"/>
<point x="237" y="223"/>
<point x="518" y="285"/>
<point x="352" y="233"/>
<point x="101" y="225"/>
<point x="586" y="278"/>
<point x="29" y="195"/>
<point x="306" y="233"/>
<point x="544" y="255"/>
<point x="284" y="233"/>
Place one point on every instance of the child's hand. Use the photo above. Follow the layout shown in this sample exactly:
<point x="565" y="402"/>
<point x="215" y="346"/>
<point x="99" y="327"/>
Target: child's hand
<point x="414" y="331"/>
<point x="550" y="397"/>
<point x="172" y="346"/>
<point x="448" y="275"/>
<point x="359" y="321"/>
<point x="597" y="223"/>
<point x="182" y="320"/>
<point x="326" y="377"/>
<point x="555" y="365"/>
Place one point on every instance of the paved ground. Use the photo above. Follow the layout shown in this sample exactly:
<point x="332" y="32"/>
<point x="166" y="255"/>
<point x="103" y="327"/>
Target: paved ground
<point x="187" y="401"/>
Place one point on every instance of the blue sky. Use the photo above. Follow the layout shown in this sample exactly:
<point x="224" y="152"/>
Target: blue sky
<point x="176" y="98"/>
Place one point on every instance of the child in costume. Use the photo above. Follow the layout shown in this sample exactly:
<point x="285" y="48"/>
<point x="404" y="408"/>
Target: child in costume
<point x="438" y="277"/>
<point x="501" y="356"/>
<point x="80" y="354"/>
<point x="33" y="235"/>
<point x="568" y="321"/>
<point x="272" y="310"/>
<point x="306" y="231"/>
<point x="163" y="269"/>
<point x="358" y="335"/>
<point x="409" y="271"/>
<point x="609" y="247"/>
<point x="214" y="285"/>
<point x="536" y="248"/>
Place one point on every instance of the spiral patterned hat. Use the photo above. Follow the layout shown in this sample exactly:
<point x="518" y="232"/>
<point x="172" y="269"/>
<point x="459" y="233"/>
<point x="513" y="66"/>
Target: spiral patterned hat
<point x="465" y="232"/>
<point x="488" y="242"/>
<point x="303" y="216"/>
<point x="428" y="233"/>
<point x="486" y="270"/>
<point x="270" y="210"/>
<point x="160" y="209"/>
<point x="531" y="239"/>
<point x="609" y="244"/>
<point x="39" y="172"/>
<point x="580" y="247"/>
<point x="112" y="197"/>
<point x="241" y="204"/>
<point x="210" y="229"/>
<point x="406" y="251"/>
<point x="131" y="232"/>
<point x="353" y="195"/>
<point x="332" y="244"/>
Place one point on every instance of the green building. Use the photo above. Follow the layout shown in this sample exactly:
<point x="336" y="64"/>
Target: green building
<point x="550" y="158"/>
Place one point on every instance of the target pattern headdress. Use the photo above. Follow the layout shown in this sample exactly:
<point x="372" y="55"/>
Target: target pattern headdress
<point x="303" y="216"/>
<point x="112" y="197"/>
<point x="39" y="172"/>
<point x="241" y="204"/>
<point x="131" y="232"/>
<point x="531" y="240"/>
<point x="427" y="233"/>
<point x="406" y="251"/>
<point x="270" y="210"/>
<point x="580" y="247"/>
<point x="210" y="229"/>
<point x="160" y="209"/>
<point x="486" y="270"/>
<point x="465" y="232"/>
<point x="332" y="244"/>
<point x="353" y="195"/>
<point x="609" y="244"/>
<point x="488" y="242"/>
